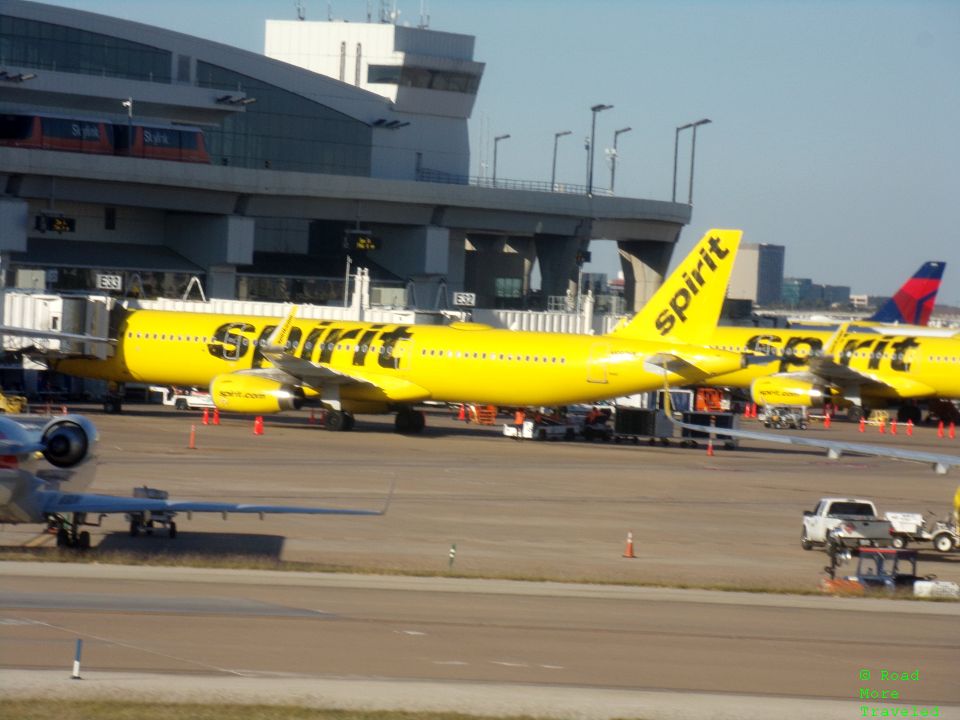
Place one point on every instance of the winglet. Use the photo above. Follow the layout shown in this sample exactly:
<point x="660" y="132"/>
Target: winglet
<point x="913" y="303"/>
<point x="686" y="307"/>
<point x="278" y="339"/>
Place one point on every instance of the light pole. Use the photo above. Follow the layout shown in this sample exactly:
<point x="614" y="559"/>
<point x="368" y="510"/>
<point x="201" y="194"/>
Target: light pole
<point x="613" y="158"/>
<point x="693" y="152"/>
<point x="593" y="133"/>
<point x="676" y="139"/>
<point x="553" y="173"/>
<point x="128" y="104"/>
<point x="496" y="141"/>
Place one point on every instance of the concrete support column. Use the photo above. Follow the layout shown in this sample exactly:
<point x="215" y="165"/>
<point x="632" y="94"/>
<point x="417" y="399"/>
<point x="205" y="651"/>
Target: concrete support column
<point x="217" y="243"/>
<point x="526" y="248"/>
<point x="558" y="263"/>
<point x="222" y="282"/>
<point x="425" y="255"/>
<point x="489" y="257"/>
<point x="644" y="264"/>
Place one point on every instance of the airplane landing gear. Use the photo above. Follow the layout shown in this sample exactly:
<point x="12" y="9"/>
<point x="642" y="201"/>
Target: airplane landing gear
<point x="337" y="420"/>
<point x="409" y="421"/>
<point x="69" y="534"/>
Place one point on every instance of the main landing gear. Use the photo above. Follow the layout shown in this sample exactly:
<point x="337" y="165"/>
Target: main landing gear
<point x="69" y="534"/>
<point x="409" y="422"/>
<point x="338" y="420"/>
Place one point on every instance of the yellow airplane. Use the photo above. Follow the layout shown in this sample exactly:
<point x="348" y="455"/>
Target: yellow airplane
<point x="865" y="365"/>
<point x="262" y="365"/>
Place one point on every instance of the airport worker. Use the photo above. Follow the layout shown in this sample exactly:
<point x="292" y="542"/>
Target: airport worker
<point x="518" y="417"/>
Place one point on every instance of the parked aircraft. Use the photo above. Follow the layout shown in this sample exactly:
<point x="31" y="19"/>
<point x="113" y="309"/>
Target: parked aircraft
<point x="54" y="496"/>
<point x="262" y="365"/>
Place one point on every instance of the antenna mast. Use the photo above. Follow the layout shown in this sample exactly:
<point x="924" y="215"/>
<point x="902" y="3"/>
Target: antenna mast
<point x="301" y="11"/>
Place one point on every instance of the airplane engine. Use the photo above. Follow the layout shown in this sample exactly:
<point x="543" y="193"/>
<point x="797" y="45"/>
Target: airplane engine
<point x="69" y="441"/>
<point x="254" y="394"/>
<point x="786" y="390"/>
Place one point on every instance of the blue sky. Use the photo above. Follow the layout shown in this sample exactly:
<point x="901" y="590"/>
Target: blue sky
<point x="836" y="123"/>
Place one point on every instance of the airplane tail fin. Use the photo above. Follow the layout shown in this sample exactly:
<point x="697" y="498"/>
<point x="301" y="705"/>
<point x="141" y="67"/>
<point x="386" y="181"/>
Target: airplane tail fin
<point x="686" y="307"/>
<point x="914" y="301"/>
<point x="278" y="339"/>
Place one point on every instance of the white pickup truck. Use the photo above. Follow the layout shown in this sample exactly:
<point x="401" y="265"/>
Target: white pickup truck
<point x="845" y="522"/>
<point x="185" y="399"/>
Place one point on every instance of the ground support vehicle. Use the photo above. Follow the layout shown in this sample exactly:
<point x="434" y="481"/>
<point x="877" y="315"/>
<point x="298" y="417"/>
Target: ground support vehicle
<point x="147" y="521"/>
<point x="635" y="424"/>
<point x="187" y="399"/>
<point x="844" y="523"/>
<point x="543" y="430"/>
<point x="907" y="528"/>
<point x="885" y="570"/>
<point x="785" y="416"/>
<point x="945" y="536"/>
<point x="719" y="420"/>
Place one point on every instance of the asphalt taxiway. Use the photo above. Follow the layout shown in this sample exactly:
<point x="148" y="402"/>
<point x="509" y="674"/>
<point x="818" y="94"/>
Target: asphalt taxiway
<point x="558" y="511"/>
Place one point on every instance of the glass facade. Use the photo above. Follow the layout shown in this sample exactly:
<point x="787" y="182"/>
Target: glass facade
<point x="419" y="77"/>
<point x="34" y="44"/>
<point x="284" y="131"/>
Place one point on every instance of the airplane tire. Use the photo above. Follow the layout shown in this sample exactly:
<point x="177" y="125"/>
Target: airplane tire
<point x="83" y="541"/>
<point x="419" y="422"/>
<point x="336" y="421"/>
<point x="349" y="422"/>
<point x="134" y="528"/>
<point x="63" y="538"/>
<point x="172" y="528"/>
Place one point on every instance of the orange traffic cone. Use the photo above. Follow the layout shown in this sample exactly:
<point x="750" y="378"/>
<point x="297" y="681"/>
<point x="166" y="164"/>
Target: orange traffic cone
<point x="628" y="551"/>
<point x="863" y="425"/>
<point x="206" y="416"/>
<point x="893" y="427"/>
<point x="909" y="428"/>
<point x="192" y="445"/>
<point x="826" y="421"/>
<point x="258" y="425"/>
<point x="940" y="430"/>
<point x="216" y="416"/>
<point x="883" y="426"/>
<point x="63" y="410"/>
<point x="710" y="446"/>
<point x="953" y="431"/>
<point x="462" y="415"/>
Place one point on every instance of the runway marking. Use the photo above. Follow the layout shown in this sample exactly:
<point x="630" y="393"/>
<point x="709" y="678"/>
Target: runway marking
<point x="553" y="667"/>
<point x="130" y="646"/>
<point x="508" y="664"/>
<point x="18" y="621"/>
<point x="450" y="662"/>
<point x="409" y="632"/>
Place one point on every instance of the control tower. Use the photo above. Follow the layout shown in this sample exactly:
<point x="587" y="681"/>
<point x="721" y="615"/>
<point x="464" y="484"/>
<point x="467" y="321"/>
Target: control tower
<point x="429" y="76"/>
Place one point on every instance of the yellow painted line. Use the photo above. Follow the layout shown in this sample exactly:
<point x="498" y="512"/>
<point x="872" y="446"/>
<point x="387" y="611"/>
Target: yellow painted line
<point x="41" y="539"/>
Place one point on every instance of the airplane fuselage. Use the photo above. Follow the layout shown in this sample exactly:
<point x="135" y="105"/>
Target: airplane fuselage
<point x="463" y="362"/>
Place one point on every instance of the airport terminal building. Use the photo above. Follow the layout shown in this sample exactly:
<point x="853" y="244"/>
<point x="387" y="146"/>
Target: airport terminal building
<point x="134" y="158"/>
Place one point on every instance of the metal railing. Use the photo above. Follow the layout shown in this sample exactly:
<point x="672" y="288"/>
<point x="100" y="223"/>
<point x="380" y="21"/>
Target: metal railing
<point x="438" y="176"/>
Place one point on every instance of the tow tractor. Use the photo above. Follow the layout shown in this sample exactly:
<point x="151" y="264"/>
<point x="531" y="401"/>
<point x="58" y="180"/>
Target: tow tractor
<point x="147" y="521"/>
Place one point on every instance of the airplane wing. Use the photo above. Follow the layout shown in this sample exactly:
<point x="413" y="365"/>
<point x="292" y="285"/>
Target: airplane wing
<point x="60" y="503"/>
<point x="317" y="376"/>
<point x="906" y="387"/>
<point x="696" y="366"/>
<point x="940" y="463"/>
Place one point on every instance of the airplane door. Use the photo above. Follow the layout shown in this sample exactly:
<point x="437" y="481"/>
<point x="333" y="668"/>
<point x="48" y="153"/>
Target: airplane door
<point x="597" y="362"/>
